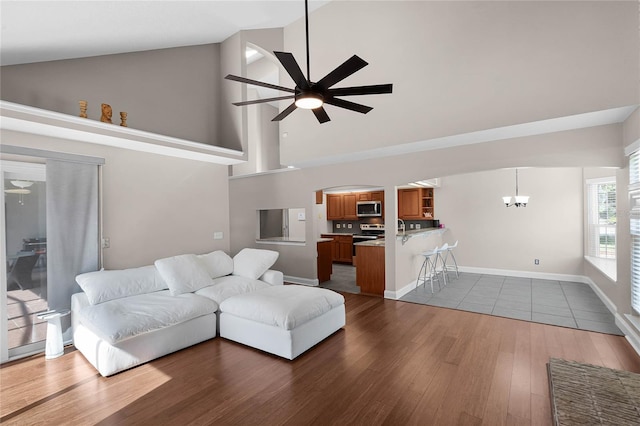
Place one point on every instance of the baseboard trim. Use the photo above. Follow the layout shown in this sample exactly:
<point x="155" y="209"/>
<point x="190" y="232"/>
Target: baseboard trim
<point x="630" y="332"/>
<point x="525" y="274"/>
<point x="395" y="295"/>
<point x="312" y="282"/>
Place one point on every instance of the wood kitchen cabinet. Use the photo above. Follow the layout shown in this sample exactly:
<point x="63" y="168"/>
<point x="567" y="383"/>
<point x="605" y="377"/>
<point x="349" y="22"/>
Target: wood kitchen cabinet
<point x="349" y="206"/>
<point x="371" y="269"/>
<point x="409" y="203"/>
<point x="413" y="203"/>
<point x="335" y="207"/>
<point x="343" y="206"/>
<point x="341" y="247"/>
<point x="325" y="260"/>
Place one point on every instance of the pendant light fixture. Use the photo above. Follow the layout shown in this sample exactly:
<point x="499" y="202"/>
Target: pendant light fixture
<point x="520" y="200"/>
<point x="22" y="191"/>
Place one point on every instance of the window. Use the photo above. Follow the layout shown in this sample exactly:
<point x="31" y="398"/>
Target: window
<point x="602" y="218"/>
<point x="281" y="226"/>
<point x="634" y="198"/>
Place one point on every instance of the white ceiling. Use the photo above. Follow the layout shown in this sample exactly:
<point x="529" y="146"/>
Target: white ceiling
<point x="36" y="31"/>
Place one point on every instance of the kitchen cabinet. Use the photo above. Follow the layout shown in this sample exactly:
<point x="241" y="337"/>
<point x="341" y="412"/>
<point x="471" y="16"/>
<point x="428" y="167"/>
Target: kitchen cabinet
<point x="325" y="260"/>
<point x="341" y="247"/>
<point x="349" y="206"/>
<point x="343" y="206"/>
<point x="335" y="207"/>
<point x="370" y="270"/>
<point x="415" y="203"/>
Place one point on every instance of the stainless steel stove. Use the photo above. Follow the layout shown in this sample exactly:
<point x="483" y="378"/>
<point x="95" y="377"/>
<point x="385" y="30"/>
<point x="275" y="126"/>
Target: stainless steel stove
<point x="369" y="231"/>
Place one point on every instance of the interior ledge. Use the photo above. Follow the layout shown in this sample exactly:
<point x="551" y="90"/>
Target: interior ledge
<point x="27" y="119"/>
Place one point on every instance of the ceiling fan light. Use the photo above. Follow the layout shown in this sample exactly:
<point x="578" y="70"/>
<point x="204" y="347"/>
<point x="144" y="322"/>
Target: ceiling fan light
<point x="309" y="100"/>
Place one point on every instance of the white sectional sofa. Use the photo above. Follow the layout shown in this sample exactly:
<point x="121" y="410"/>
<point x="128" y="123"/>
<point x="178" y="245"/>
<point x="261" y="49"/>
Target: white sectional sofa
<point x="124" y="318"/>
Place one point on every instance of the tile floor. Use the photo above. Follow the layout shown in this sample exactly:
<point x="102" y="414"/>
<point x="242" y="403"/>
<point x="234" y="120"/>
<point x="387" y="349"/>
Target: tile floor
<point x="343" y="278"/>
<point x="566" y="304"/>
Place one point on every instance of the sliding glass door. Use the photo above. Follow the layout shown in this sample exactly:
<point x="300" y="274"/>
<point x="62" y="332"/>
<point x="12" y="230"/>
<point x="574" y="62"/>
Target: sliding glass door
<point x="24" y="257"/>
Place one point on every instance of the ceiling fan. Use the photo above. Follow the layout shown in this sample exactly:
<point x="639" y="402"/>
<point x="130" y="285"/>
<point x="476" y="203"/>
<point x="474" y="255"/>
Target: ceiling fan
<point x="313" y="95"/>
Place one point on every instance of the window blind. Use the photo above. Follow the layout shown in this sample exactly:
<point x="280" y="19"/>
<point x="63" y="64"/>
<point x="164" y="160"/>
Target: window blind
<point x="634" y="225"/>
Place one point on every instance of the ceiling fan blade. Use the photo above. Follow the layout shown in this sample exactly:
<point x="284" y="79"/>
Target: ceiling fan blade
<point x="348" y="105"/>
<point x="321" y="115"/>
<point x="376" y="89"/>
<point x="291" y="65"/>
<point x="343" y="71"/>
<point x="286" y="112"/>
<point x="261" y="101"/>
<point x="258" y="83"/>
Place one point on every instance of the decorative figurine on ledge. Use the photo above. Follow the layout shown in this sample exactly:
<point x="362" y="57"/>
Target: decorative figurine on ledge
<point x="83" y="109"/>
<point x="106" y="113"/>
<point x="123" y="119"/>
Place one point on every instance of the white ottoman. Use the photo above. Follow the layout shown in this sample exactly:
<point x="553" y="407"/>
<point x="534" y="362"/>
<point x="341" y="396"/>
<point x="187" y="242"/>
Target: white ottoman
<point x="282" y="320"/>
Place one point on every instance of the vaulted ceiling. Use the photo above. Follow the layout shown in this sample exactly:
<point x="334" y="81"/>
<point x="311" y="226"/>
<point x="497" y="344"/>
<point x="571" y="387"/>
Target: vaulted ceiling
<point x="37" y="31"/>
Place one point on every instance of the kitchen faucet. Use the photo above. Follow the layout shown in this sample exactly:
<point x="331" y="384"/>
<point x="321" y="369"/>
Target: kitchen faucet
<point x="402" y="225"/>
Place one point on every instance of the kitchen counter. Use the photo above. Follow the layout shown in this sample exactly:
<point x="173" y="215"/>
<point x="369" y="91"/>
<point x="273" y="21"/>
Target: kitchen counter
<point x="419" y="233"/>
<point x="324" y="240"/>
<point x="371" y="243"/>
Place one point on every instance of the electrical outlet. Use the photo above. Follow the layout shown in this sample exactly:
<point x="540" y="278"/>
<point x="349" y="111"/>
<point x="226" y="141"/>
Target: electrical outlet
<point x="411" y="226"/>
<point x="106" y="242"/>
<point x="337" y="226"/>
<point x="418" y="226"/>
<point x="349" y="226"/>
<point x="536" y="261"/>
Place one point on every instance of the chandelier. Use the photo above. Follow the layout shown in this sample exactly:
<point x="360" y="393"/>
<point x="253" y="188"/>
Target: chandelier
<point x="519" y="200"/>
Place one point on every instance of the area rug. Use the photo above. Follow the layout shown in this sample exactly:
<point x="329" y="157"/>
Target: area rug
<point x="583" y="394"/>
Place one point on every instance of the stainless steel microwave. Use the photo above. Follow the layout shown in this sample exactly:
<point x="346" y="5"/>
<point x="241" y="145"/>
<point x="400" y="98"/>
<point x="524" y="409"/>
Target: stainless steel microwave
<point x="369" y="208"/>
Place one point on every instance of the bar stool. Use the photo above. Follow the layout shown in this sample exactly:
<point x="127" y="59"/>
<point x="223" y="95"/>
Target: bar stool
<point x="449" y="254"/>
<point x="428" y="267"/>
<point x="444" y="249"/>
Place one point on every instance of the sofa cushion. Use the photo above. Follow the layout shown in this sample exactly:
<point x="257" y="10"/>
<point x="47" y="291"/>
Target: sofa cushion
<point x="252" y="263"/>
<point x="217" y="263"/>
<point x="229" y="286"/>
<point x="183" y="274"/>
<point x="102" y="286"/>
<point x="120" y="319"/>
<point x="287" y="306"/>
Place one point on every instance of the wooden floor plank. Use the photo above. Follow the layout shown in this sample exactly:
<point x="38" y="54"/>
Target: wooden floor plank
<point x="393" y="363"/>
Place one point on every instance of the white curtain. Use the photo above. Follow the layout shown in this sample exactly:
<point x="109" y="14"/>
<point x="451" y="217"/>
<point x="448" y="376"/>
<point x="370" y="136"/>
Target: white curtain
<point x="73" y="241"/>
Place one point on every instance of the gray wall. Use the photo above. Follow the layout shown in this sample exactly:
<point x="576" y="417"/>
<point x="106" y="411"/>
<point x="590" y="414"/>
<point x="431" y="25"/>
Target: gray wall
<point x="596" y="147"/>
<point x="462" y="66"/>
<point x="153" y="206"/>
<point x="174" y="92"/>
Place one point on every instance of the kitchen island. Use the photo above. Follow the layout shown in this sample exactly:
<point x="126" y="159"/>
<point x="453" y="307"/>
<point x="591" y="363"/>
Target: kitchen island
<point x="370" y="269"/>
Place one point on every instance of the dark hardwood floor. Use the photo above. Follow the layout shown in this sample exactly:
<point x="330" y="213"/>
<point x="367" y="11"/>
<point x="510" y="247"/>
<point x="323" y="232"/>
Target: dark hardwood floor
<point x="394" y="363"/>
